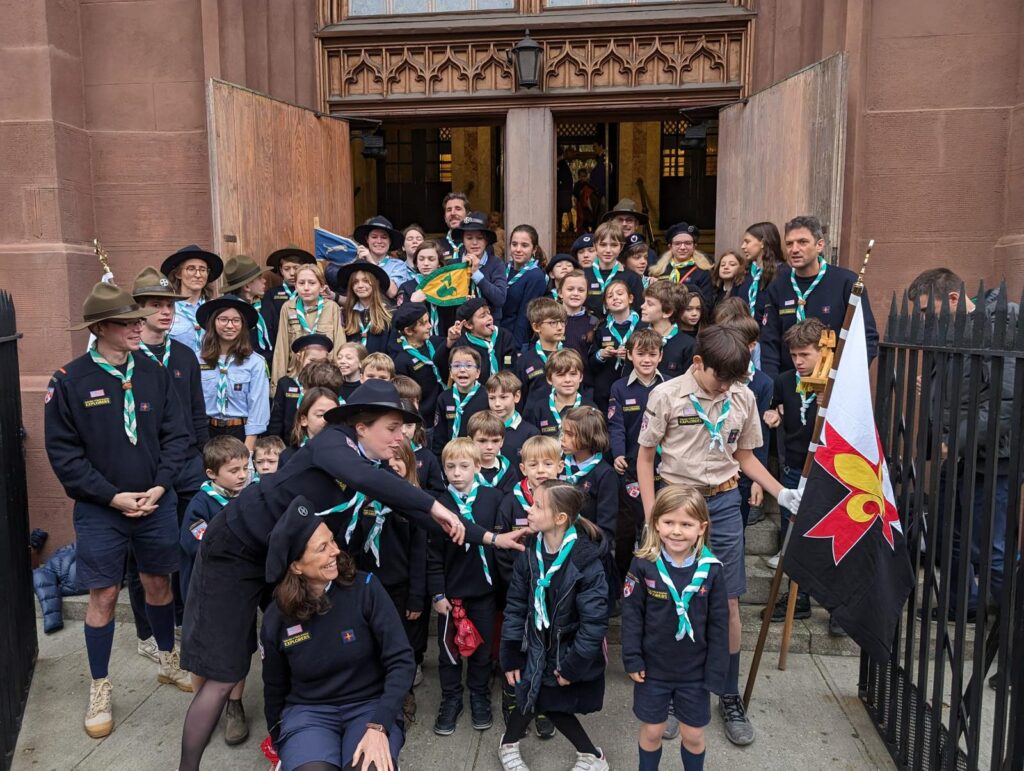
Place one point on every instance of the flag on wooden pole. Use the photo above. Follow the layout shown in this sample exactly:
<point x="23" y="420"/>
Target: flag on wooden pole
<point x="332" y="247"/>
<point x="447" y="286"/>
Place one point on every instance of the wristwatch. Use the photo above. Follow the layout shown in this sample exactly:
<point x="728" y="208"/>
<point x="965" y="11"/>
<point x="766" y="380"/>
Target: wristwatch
<point x="437" y="598"/>
<point x="377" y="727"/>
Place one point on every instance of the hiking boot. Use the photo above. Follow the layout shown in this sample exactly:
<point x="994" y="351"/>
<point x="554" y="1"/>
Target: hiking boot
<point x="738" y="729"/>
<point x="99" y="717"/>
<point x="236" y="727"/>
<point x="671" y="727"/>
<point x="171" y="673"/>
<point x="409" y="709"/>
<point x="587" y="762"/>
<point x="511" y="759"/>
<point x="834" y="628"/>
<point x="448" y="715"/>
<point x="418" y="677"/>
<point x="480" y="709"/>
<point x="801" y="611"/>
<point x="148" y="649"/>
<point x="545" y="728"/>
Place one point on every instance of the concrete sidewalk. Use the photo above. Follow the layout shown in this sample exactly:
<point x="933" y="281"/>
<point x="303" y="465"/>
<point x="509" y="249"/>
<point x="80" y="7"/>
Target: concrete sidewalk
<point x="808" y="717"/>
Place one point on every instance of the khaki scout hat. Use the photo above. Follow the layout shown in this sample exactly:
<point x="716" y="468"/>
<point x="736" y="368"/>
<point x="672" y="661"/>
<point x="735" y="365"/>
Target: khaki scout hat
<point x="152" y="283"/>
<point x="626" y="206"/>
<point x="239" y="271"/>
<point x="107" y="302"/>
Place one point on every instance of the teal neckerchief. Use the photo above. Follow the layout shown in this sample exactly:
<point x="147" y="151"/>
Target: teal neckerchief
<point x="300" y="306"/>
<point x="222" y="385"/>
<point x="517" y="491"/>
<point x="417" y="355"/>
<point x="520" y="273"/>
<point x="215" y="491"/>
<point x="755" y="285"/>
<point x="289" y="291"/>
<point x="503" y="466"/>
<point x="553" y="406"/>
<point x="542" y="353"/>
<point x="488" y="345"/>
<point x="540" y="606"/>
<point x="805" y="401"/>
<point x="372" y="543"/>
<point x="514" y="421"/>
<point x="262" y="333"/>
<point x="801" y="297"/>
<point x="682" y="601"/>
<point x="190" y="315"/>
<point x="574" y="472"/>
<point x="460" y="405"/>
<point x="670" y="334"/>
<point x="364" y="328"/>
<point x="130" y="425"/>
<point x="621" y="339"/>
<point x="165" y="361"/>
<point x="715" y="429"/>
<point x="603" y="282"/>
<point x="355" y="502"/>
<point x="465" y="503"/>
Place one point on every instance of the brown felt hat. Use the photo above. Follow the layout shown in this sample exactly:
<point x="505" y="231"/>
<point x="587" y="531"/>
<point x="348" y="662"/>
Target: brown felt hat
<point x="626" y="206"/>
<point x="107" y="302"/>
<point x="239" y="271"/>
<point x="152" y="283"/>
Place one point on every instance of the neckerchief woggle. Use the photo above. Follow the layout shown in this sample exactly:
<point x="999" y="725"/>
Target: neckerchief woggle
<point x="466" y="511"/>
<point x="805" y="400"/>
<point x="574" y="472"/>
<point x="682" y="601"/>
<point x="460" y="406"/>
<point x="300" y="306"/>
<point x="130" y="425"/>
<point x="715" y="429"/>
<point x="489" y="346"/>
<point x="262" y="333"/>
<point x="553" y="406"/>
<point x="190" y="316"/>
<point x="621" y="339"/>
<point x="214" y="491"/>
<point x="165" y="360"/>
<point x="419" y="356"/>
<point x="755" y="285"/>
<point x="503" y="466"/>
<point x="801" y="297"/>
<point x="540" y="606"/>
<point x="289" y="292"/>
<point x="519" y="273"/>
<point x="372" y="543"/>
<point x="542" y="353"/>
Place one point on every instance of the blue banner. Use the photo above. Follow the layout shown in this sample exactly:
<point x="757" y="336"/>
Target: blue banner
<point x="332" y="247"/>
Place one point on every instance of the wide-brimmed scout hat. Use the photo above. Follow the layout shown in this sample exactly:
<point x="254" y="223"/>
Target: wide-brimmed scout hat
<point x="339" y="278"/>
<point x="239" y="271"/>
<point x="373" y="396"/>
<point x="193" y="252"/>
<point x="626" y="206"/>
<point x="107" y="302"/>
<point x="474" y="222"/>
<point x="292" y="252"/>
<point x="207" y="309"/>
<point x="152" y="283"/>
<point x="362" y="232"/>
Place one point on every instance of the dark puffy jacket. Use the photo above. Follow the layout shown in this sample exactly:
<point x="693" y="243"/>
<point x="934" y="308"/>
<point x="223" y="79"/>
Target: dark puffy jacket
<point x="57" y="578"/>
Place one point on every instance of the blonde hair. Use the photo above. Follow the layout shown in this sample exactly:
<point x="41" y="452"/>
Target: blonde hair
<point x="380" y="316"/>
<point x="313" y="268"/>
<point x="664" y="264"/>
<point x="378" y="361"/>
<point x="609" y="231"/>
<point x="462" y="448"/>
<point x="669" y="499"/>
<point x="537" y="447"/>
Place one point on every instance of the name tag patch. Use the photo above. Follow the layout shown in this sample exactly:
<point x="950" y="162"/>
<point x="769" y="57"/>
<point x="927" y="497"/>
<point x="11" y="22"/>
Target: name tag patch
<point x="97" y="402"/>
<point x="296" y="639"/>
<point x="689" y="420"/>
<point x="787" y="311"/>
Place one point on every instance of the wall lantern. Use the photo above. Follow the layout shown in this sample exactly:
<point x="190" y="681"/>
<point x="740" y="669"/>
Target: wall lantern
<point x="526" y="57"/>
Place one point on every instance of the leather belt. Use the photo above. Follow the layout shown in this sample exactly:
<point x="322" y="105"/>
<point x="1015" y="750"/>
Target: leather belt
<point x="710" y="491"/>
<point x="227" y="423"/>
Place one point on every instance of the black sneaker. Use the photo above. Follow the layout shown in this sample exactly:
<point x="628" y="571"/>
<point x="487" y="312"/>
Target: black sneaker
<point x="448" y="716"/>
<point x="802" y="610"/>
<point x="480" y="709"/>
<point x="834" y="629"/>
<point x="738" y="729"/>
<point x="545" y="728"/>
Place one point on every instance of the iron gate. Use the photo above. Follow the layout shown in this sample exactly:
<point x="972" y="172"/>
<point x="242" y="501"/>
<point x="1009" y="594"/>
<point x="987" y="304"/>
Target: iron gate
<point x="950" y="410"/>
<point x="18" y="644"/>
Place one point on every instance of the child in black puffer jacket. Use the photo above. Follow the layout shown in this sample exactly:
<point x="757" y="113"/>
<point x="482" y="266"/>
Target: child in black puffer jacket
<point x="553" y="636"/>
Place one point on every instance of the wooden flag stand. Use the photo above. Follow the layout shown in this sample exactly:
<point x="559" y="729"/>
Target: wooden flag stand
<point x="821" y="381"/>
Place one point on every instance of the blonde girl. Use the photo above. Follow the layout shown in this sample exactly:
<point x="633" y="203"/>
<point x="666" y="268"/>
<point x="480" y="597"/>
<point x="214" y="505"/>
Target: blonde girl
<point x="307" y="313"/>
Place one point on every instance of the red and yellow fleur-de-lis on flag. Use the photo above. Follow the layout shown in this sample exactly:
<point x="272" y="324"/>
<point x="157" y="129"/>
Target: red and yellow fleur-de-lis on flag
<point x="864" y="502"/>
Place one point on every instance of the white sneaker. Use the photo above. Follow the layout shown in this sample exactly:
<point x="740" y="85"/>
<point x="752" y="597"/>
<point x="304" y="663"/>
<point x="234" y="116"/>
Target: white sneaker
<point x="588" y="762"/>
<point x="148" y="649"/>
<point x="171" y="672"/>
<point x="773" y="561"/>
<point x="418" y="677"/>
<point x="511" y="759"/>
<point x="99" y="717"/>
<point x="671" y="727"/>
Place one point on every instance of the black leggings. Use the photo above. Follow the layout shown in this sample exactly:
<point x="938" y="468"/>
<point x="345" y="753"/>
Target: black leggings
<point x="566" y="722"/>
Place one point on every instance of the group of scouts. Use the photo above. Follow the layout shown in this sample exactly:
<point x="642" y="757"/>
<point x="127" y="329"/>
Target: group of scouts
<point x="583" y="436"/>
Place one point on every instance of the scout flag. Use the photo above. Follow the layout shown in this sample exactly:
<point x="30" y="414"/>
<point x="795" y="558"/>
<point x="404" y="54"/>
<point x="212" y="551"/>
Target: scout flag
<point x="332" y="247"/>
<point x="848" y="548"/>
<point x="447" y="286"/>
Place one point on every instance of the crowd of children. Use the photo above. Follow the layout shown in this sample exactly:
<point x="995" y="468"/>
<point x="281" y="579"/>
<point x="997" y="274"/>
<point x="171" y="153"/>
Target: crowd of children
<point x="608" y="402"/>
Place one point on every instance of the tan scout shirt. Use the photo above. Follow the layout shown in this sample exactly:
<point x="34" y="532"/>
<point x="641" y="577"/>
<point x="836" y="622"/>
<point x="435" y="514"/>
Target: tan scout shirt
<point x="672" y="421"/>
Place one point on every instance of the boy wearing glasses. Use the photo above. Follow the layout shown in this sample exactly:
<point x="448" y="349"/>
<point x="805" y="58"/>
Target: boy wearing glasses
<point x="547" y="318"/>
<point x="461" y="401"/>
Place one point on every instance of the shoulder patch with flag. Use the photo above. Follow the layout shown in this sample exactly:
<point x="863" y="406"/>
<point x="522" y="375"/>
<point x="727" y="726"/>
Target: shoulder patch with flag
<point x="447" y="286"/>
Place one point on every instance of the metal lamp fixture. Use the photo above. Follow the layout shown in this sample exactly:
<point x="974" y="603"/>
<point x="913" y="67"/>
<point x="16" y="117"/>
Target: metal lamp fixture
<point x="526" y="57"/>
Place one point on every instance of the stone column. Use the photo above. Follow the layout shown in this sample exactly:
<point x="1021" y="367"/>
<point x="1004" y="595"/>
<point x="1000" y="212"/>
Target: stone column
<point x="530" y="172"/>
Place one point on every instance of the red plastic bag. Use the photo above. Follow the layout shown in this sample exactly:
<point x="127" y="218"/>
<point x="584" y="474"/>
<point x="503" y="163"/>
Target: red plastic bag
<point x="268" y="752"/>
<point x="467" y="636"/>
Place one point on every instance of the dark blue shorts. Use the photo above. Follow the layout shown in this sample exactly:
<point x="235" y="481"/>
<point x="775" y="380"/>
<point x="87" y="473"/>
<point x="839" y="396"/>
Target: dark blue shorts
<point x="690" y="702"/>
<point x="104" y="536"/>
<point x="727" y="539"/>
<point x="328" y="733"/>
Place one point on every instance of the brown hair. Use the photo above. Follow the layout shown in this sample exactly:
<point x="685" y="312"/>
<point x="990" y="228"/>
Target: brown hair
<point x="323" y="374"/>
<point x="408" y="458"/>
<point x="543" y="309"/>
<point x="270" y="443"/>
<point x="736" y="313"/>
<point x="359" y="348"/>
<point x="207" y="292"/>
<point x="666" y="293"/>
<point x="672" y="498"/>
<point x="465" y="350"/>
<point x="609" y="231"/>
<point x="686" y="296"/>
<point x="771" y="252"/>
<point x="295" y="598"/>
<point x="574" y="273"/>
<point x="617" y="282"/>
<point x="240" y="350"/>
<point x="221" y="450"/>
<point x="485" y="423"/>
<point x="378" y="361"/>
<point x="716" y="281"/>
<point x="644" y="340"/>
<point x="506" y="381"/>
<point x="567" y="499"/>
<point x="538" y="253"/>
<point x="427" y="244"/>
<point x="563" y="361"/>
<point x="408" y="389"/>
<point x="804" y="333"/>
<point x="376" y="310"/>
<point x="309" y="398"/>
<point x="589" y="428"/>
<point x="724" y="349"/>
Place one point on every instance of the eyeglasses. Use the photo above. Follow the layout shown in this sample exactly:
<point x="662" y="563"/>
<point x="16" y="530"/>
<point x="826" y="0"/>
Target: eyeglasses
<point x="126" y="324"/>
<point x="195" y="270"/>
<point x="464" y="365"/>
<point x="554" y="322"/>
<point x="229" y="321"/>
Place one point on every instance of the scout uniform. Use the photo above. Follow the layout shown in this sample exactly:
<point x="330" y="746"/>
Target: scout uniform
<point x="275" y="297"/>
<point x="489" y="281"/>
<point x="628" y="206"/>
<point x="606" y="370"/>
<point x="423" y="364"/>
<point x="626" y="406"/>
<point x="698" y="436"/>
<point x="544" y="415"/>
<point x="238" y="272"/>
<point x="329" y="678"/>
<point x="790" y="298"/>
<point x="598" y="280"/>
<point x="373" y="342"/>
<point x="517" y="431"/>
<point x="497" y="352"/>
<point x="186" y="329"/>
<point x="676" y="353"/>
<point x="454" y="409"/>
<point x="237" y="395"/>
<point x="530" y="371"/>
<point x="289" y="392"/>
<point x="688" y="273"/>
<point x="296" y="320"/>
<point x="579" y="333"/>
<point x="200" y="512"/>
<point x="524" y="285"/>
<point x="397" y="270"/>
<point x="799" y="412"/>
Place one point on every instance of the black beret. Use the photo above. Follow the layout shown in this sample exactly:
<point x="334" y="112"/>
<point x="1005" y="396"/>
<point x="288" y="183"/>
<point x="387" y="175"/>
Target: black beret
<point x="587" y="239"/>
<point x="470" y="307"/>
<point x="406" y="315"/>
<point x="307" y="340"/>
<point x="682" y="227"/>
<point x="562" y="258"/>
<point x="289" y="537"/>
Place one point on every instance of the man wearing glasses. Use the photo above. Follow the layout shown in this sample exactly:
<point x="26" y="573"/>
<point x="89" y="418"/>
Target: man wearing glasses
<point x="116" y="439"/>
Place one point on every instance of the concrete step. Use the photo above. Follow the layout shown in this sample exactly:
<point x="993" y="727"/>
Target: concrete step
<point x="762" y="537"/>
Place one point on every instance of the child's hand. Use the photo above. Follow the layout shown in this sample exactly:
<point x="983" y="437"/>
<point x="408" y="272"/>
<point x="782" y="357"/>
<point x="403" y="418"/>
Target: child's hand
<point x="413" y="615"/>
<point x="637" y="677"/>
<point x="443" y="607"/>
<point x="756" y="494"/>
<point x="512" y="677"/>
<point x="453" y="333"/>
<point x="362" y="253"/>
<point x="561" y="680"/>
<point x="772" y="419"/>
<point x="417" y="297"/>
<point x="621" y="464"/>
<point x="620" y="352"/>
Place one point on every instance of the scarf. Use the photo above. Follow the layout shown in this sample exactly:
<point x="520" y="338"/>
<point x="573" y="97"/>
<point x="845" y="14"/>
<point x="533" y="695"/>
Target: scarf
<point x="801" y="297"/>
<point x="540" y="606"/>
<point x="262" y="333"/>
<point x="806" y="397"/>
<point x="553" y="406"/>
<point x="190" y="315"/>
<point x="216" y="492"/>
<point x="222" y="385"/>
<point x="418" y="355"/>
<point x="372" y="543"/>
<point x="714" y="429"/>
<point x="574" y="472"/>
<point x="542" y="353"/>
<point x="165" y="360"/>
<point x="519" y="273"/>
<point x="503" y="466"/>
<point x="604" y="282"/>
<point x="487" y="345"/>
<point x="465" y="503"/>
<point x="300" y="306"/>
<point x="621" y="339"/>
<point x="460" y="406"/>
<point x="130" y="425"/>
<point x="514" y="421"/>
<point x="755" y="285"/>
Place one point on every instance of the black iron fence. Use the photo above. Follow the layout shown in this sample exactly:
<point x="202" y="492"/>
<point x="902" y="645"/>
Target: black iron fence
<point x="18" y="644"/>
<point x="950" y="409"/>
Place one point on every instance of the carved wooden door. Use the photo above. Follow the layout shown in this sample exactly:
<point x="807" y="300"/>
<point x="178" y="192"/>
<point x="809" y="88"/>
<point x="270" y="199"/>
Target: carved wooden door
<point x="781" y="152"/>
<point x="273" y="168"/>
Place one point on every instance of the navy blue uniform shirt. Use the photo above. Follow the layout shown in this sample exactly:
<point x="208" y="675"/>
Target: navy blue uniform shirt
<point x="796" y="436"/>
<point x="283" y="408"/>
<point x="444" y="421"/>
<point x="457" y="572"/>
<point x="184" y="369"/>
<point x="529" y="286"/>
